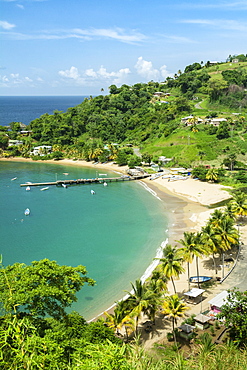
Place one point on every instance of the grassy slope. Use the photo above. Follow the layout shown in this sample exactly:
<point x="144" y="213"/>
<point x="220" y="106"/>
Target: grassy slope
<point x="186" y="145"/>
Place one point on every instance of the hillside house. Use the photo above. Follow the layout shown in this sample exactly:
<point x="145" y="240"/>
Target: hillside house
<point x="15" y="142"/>
<point x="216" y="121"/>
<point x="41" y="150"/>
<point x="188" y="121"/>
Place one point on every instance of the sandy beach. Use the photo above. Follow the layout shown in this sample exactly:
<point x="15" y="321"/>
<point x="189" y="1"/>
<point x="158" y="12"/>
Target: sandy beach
<point x="187" y="202"/>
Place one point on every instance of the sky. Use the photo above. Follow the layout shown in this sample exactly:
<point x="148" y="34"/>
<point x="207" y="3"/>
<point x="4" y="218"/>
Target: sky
<point x="78" y="47"/>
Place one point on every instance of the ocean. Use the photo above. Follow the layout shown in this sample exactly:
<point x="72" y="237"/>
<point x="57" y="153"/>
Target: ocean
<point x="115" y="233"/>
<point x="26" y="108"/>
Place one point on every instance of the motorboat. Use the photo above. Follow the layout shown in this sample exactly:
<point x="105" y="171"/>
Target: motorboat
<point x="46" y="188"/>
<point x="14" y="178"/>
<point x="105" y="183"/>
<point x="102" y="174"/>
<point x="200" y="279"/>
<point x="27" y="212"/>
<point x="92" y="192"/>
<point x="28" y="188"/>
<point x="64" y="185"/>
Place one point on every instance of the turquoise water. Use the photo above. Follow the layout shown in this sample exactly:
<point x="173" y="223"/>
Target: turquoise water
<point x="114" y="233"/>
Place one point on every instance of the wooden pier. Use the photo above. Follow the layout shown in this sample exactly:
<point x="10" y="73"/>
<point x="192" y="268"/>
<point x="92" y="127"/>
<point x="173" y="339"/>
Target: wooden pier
<point x="98" y="180"/>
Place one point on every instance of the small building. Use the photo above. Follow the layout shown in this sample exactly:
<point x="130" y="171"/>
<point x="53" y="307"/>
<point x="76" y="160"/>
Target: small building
<point x="195" y="294"/>
<point x="189" y="120"/>
<point x="15" y="142"/>
<point x="41" y="150"/>
<point x="164" y="160"/>
<point x="158" y="93"/>
<point x="216" y="121"/>
<point x="186" y="331"/>
<point x="217" y="302"/>
<point x="202" y="321"/>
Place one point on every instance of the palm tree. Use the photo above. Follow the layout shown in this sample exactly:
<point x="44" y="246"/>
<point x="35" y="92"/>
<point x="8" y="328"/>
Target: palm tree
<point x="120" y="318"/>
<point x="193" y="247"/>
<point x="158" y="281"/>
<point x="216" y="217"/>
<point x="171" y="263"/>
<point x="210" y="242"/>
<point x="175" y="308"/>
<point x="226" y="234"/>
<point x="239" y="204"/>
<point x="141" y="299"/>
<point x="212" y="175"/>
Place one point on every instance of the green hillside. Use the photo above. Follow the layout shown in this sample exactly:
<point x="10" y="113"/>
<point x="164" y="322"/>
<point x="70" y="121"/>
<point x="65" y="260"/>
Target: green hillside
<point x="149" y="116"/>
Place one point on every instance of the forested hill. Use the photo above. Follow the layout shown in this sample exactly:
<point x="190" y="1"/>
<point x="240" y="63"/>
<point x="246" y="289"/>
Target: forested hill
<point x="149" y="115"/>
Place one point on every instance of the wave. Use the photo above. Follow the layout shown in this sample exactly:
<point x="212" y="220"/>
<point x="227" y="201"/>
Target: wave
<point x="151" y="191"/>
<point x="144" y="277"/>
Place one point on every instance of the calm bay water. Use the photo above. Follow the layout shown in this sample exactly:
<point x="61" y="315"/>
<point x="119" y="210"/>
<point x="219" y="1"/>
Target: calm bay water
<point x="26" y="108"/>
<point x="114" y="233"/>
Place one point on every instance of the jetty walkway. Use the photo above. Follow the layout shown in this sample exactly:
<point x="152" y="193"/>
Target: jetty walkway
<point x="98" y="180"/>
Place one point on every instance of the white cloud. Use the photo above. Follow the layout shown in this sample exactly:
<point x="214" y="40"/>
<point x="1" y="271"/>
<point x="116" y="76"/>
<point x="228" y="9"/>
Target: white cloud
<point x="90" y="76"/>
<point x="224" y="5"/>
<point x="6" y="25"/>
<point x="70" y="73"/>
<point x="20" y="6"/>
<point x="14" y="79"/>
<point x="90" y="73"/>
<point x="225" y="24"/>
<point x="164" y="73"/>
<point x="117" y="34"/>
<point x="146" y="70"/>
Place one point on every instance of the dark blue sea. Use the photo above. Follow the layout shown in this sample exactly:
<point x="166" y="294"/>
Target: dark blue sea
<point x="26" y="108"/>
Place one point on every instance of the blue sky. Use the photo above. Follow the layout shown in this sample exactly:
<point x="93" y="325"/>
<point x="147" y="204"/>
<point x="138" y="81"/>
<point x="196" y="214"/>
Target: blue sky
<point x="76" y="47"/>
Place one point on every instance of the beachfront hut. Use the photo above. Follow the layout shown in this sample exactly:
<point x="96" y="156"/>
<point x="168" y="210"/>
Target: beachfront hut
<point x="217" y="302"/>
<point x="194" y="294"/>
<point x="202" y="321"/>
<point x="186" y="331"/>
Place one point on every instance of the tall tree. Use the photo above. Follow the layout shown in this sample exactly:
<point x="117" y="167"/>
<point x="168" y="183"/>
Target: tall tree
<point x="192" y="247"/>
<point x="171" y="263"/>
<point x="175" y="308"/>
<point x="142" y="300"/>
<point x="43" y="288"/>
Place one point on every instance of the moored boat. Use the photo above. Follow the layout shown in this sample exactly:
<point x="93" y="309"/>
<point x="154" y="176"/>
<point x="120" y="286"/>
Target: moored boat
<point x="199" y="279"/>
<point x="46" y="188"/>
<point x="27" y="212"/>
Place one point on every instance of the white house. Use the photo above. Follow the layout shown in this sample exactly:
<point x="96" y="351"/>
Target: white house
<point x="15" y="142"/>
<point x="216" y="121"/>
<point x="41" y="150"/>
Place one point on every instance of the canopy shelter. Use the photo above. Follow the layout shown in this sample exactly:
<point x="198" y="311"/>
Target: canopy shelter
<point x="186" y="331"/>
<point x="218" y="301"/>
<point x="194" y="293"/>
<point x="202" y="321"/>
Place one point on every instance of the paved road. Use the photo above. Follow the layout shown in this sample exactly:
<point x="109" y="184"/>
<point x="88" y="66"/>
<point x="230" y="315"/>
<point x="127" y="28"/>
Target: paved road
<point x="238" y="277"/>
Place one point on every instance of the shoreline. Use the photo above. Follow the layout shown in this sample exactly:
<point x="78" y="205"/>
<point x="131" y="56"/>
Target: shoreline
<point x="181" y="199"/>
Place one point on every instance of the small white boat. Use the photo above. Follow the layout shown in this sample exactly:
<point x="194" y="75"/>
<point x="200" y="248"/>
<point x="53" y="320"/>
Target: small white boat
<point x="105" y="183"/>
<point x="92" y="192"/>
<point x="14" y="178"/>
<point x="64" y="185"/>
<point x="65" y="173"/>
<point x="102" y="174"/>
<point x="28" y="182"/>
<point x="27" y="212"/>
<point x="28" y="188"/>
<point x="46" y="188"/>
